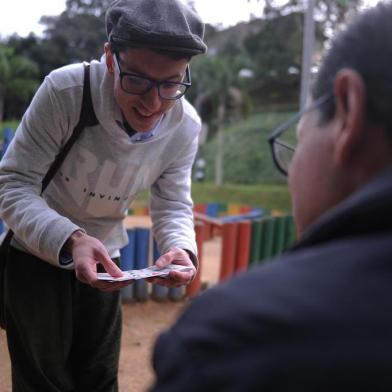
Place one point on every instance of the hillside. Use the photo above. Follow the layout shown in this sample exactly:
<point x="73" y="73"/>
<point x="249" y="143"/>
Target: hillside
<point x="247" y="155"/>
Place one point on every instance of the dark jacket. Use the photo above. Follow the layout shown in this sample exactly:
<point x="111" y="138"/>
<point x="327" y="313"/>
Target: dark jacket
<point x="318" y="318"/>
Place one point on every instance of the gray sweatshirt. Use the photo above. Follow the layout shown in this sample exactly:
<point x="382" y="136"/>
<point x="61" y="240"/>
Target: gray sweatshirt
<point x="102" y="174"/>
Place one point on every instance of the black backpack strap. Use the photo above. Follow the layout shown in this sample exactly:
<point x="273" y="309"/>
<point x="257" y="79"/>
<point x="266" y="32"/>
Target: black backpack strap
<point x="87" y="119"/>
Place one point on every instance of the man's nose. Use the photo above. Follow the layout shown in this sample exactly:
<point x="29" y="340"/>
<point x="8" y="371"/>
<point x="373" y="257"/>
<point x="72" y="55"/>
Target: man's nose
<point x="151" y="99"/>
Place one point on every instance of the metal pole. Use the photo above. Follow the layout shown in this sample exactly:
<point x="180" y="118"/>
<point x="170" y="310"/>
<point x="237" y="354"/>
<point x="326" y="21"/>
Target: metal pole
<point x="220" y="142"/>
<point x="307" y="52"/>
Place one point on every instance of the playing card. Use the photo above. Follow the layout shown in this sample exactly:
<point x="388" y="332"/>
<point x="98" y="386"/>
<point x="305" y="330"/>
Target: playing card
<point x="144" y="273"/>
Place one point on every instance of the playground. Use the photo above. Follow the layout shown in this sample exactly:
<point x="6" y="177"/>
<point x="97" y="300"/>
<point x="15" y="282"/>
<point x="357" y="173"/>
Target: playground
<point x="228" y="242"/>
<point x="230" y="238"/>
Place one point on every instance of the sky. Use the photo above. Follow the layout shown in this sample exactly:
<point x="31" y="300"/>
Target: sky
<point x="22" y="17"/>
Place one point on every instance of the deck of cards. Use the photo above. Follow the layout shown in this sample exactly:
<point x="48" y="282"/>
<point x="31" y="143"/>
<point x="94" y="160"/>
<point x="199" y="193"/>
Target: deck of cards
<point x="149" y="272"/>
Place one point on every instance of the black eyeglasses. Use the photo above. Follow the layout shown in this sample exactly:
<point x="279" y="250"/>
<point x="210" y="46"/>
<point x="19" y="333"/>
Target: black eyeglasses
<point x="136" y="84"/>
<point x="283" y="139"/>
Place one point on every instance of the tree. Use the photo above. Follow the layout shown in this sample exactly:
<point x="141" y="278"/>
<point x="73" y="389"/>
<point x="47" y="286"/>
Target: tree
<point x="18" y="81"/>
<point x="91" y="7"/>
<point x="331" y="13"/>
<point x="216" y="89"/>
<point x="78" y="32"/>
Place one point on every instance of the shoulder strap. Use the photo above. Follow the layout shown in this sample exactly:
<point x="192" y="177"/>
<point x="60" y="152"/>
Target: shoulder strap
<point x="87" y="119"/>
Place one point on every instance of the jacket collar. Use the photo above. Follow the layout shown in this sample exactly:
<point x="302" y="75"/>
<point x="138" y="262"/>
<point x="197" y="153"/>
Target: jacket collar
<point x="368" y="210"/>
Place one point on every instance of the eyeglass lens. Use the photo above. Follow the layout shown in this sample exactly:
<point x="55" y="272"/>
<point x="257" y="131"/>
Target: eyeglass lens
<point x="140" y="85"/>
<point x="284" y="147"/>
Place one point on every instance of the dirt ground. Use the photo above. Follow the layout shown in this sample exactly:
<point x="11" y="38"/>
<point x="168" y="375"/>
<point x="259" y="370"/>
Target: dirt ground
<point x="142" y="322"/>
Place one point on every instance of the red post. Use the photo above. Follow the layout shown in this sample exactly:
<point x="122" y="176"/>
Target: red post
<point x="228" y="254"/>
<point x="243" y="246"/>
<point x="193" y="288"/>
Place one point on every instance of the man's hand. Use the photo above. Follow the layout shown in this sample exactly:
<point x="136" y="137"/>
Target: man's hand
<point x="87" y="252"/>
<point x="175" y="278"/>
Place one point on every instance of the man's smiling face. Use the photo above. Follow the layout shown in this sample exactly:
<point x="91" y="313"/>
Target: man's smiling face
<point x="142" y="112"/>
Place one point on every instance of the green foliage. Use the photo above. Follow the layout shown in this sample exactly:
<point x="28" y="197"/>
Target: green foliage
<point x="247" y="156"/>
<point x="213" y="83"/>
<point x="269" y="47"/>
<point x="18" y="81"/>
<point x="78" y="37"/>
<point x="277" y="47"/>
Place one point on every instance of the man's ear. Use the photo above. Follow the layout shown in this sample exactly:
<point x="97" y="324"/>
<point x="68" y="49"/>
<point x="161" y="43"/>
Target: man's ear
<point x="109" y="58"/>
<point x="350" y="98"/>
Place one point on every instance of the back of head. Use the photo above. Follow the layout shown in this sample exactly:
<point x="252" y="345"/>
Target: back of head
<point x="365" y="46"/>
<point x="161" y="25"/>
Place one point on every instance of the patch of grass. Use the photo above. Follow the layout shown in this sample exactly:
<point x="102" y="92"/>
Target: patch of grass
<point x="246" y="152"/>
<point x="272" y="197"/>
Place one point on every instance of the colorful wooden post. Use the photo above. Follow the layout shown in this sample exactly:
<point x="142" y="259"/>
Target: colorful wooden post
<point x="243" y="245"/>
<point x="194" y="287"/>
<point x="141" y="261"/>
<point x="128" y="263"/>
<point x="255" y="242"/>
<point x="267" y="231"/>
<point x="279" y="235"/>
<point x="290" y="231"/>
<point x="229" y="245"/>
<point x="159" y="293"/>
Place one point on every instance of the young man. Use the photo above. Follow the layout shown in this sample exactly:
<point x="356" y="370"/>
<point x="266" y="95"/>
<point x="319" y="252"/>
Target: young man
<point x="319" y="317"/>
<point x="64" y="334"/>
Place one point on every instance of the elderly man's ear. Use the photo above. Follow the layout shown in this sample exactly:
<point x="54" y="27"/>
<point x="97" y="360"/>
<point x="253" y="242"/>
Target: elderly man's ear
<point x="109" y="58"/>
<point x="350" y="98"/>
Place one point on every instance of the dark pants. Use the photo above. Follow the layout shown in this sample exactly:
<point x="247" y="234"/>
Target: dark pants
<point x="62" y="335"/>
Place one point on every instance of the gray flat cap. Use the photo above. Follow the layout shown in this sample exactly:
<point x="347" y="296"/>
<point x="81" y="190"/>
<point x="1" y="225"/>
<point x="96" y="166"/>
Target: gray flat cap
<point x="155" y="24"/>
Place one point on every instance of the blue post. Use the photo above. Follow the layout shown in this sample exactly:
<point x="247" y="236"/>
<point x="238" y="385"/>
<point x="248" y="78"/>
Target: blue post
<point x="212" y="210"/>
<point x="1" y="226"/>
<point x="159" y="293"/>
<point x="142" y="237"/>
<point x="8" y="134"/>
<point x="176" y="294"/>
<point x="128" y="263"/>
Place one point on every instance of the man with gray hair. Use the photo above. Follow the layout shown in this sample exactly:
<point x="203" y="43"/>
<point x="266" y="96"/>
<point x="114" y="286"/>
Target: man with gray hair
<point x="63" y="324"/>
<point x="317" y="318"/>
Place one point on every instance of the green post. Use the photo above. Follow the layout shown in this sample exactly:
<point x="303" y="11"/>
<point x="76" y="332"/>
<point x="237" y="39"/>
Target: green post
<point x="279" y="235"/>
<point x="290" y="231"/>
<point x="254" y="254"/>
<point x="267" y="238"/>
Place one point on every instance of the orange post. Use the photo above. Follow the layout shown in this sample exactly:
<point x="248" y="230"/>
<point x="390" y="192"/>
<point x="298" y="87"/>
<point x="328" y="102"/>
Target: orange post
<point x="228" y="253"/>
<point x="201" y="208"/>
<point x="194" y="287"/>
<point x="244" y="209"/>
<point x="243" y="246"/>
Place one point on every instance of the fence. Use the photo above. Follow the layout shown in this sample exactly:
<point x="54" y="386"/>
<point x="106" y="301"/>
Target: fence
<point x="247" y="241"/>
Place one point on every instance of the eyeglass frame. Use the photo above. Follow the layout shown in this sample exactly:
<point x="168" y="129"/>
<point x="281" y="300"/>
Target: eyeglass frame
<point x="153" y="82"/>
<point x="273" y="138"/>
